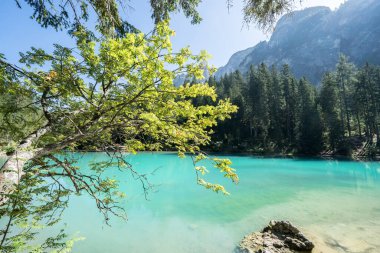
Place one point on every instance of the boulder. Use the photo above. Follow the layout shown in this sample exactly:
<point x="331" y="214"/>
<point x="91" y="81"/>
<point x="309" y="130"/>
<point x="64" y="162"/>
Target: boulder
<point x="277" y="237"/>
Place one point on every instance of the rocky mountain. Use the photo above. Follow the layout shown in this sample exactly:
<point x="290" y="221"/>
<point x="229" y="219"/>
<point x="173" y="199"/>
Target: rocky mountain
<point x="311" y="40"/>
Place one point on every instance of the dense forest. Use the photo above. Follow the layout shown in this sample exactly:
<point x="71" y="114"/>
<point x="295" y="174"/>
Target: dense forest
<point x="280" y="114"/>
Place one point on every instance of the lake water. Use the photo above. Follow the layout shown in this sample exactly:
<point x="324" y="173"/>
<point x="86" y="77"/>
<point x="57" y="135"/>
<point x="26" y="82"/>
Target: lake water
<point x="336" y="202"/>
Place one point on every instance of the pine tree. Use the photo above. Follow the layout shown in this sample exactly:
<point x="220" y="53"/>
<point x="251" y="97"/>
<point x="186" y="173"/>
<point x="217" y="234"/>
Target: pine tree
<point x="367" y="93"/>
<point x="309" y="125"/>
<point x="329" y="101"/>
<point x="345" y="77"/>
<point x="276" y="104"/>
<point x="289" y="84"/>
<point x="258" y="82"/>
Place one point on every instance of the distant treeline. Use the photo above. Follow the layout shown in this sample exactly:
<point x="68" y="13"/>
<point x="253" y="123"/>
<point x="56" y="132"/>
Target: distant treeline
<point x="278" y="113"/>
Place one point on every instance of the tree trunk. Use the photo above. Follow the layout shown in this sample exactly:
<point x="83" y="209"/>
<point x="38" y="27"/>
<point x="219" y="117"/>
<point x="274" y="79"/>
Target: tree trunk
<point x="358" y="122"/>
<point x="12" y="170"/>
<point x="346" y="109"/>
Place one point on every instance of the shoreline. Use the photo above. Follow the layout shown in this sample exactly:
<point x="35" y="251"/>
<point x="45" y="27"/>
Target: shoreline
<point x="252" y="154"/>
<point x="256" y="155"/>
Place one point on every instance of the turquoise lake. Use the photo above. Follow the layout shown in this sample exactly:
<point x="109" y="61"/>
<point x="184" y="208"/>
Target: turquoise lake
<point x="337" y="203"/>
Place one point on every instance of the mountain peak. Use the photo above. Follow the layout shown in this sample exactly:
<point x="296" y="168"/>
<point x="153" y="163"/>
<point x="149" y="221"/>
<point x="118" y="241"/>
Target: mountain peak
<point x="311" y="40"/>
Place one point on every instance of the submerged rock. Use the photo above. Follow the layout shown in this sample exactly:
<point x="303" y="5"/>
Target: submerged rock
<point x="277" y="237"/>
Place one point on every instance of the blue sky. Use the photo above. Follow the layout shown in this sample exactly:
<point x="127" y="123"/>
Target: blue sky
<point x="221" y="32"/>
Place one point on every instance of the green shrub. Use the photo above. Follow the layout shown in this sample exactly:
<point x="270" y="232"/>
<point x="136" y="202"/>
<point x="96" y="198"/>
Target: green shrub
<point x="9" y="150"/>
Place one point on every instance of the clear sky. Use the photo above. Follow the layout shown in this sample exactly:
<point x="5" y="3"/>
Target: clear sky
<point x="221" y="32"/>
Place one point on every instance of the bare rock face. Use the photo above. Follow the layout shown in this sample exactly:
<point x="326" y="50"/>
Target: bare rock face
<point x="310" y="41"/>
<point x="277" y="237"/>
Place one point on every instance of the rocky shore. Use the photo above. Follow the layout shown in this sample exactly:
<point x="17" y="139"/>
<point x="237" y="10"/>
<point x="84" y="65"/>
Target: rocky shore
<point x="277" y="237"/>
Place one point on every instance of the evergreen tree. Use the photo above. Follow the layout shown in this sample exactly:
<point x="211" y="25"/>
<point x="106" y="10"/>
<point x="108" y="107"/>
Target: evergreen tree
<point x="237" y="85"/>
<point x="329" y="101"/>
<point x="289" y="85"/>
<point x="367" y="92"/>
<point x="276" y="104"/>
<point x="258" y="99"/>
<point x="309" y="137"/>
<point x="345" y="77"/>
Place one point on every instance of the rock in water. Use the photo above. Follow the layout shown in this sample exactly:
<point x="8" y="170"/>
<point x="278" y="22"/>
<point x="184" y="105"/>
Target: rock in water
<point x="277" y="237"/>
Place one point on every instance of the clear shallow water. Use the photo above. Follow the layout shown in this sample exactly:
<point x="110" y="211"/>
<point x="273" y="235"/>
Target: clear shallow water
<point x="336" y="202"/>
